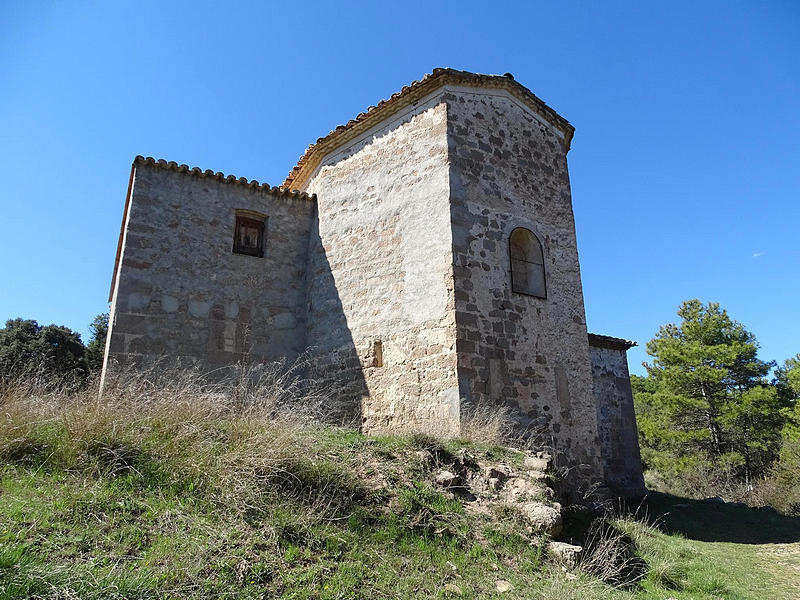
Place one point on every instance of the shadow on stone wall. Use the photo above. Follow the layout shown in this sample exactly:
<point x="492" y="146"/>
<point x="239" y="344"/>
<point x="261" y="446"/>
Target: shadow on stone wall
<point x="335" y="363"/>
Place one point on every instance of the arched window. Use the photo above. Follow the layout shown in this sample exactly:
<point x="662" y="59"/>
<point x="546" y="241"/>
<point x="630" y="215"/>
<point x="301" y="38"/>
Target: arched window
<point x="527" y="263"/>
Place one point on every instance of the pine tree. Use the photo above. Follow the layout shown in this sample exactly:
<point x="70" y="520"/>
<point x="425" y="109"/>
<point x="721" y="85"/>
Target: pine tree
<point x="706" y="394"/>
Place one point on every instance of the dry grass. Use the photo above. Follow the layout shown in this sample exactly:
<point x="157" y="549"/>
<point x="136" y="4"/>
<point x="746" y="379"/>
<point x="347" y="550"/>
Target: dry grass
<point x="487" y="423"/>
<point x="181" y="485"/>
<point x="491" y="424"/>
<point x="178" y="484"/>
<point x="240" y="436"/>
<point x="611" y="555"/>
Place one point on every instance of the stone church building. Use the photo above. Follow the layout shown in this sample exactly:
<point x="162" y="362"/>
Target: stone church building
<point x="423" y="255"/>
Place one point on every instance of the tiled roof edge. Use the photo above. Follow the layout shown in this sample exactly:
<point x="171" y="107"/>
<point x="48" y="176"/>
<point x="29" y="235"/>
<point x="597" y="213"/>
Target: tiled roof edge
<point x="606" y="341"/>
<point x="221" y="177"/>
<point x="409" y="94"/>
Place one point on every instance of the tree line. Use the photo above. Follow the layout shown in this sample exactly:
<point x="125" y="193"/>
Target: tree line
<point x="53" y="355"/>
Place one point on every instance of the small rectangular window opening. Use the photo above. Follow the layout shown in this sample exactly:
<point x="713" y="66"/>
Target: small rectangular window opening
<point x="377" y="350"/>
<point x="248" y="237"/>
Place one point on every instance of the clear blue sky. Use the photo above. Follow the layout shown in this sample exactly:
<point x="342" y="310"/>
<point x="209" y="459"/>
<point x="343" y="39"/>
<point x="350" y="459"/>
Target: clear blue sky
<point x="685" y="164"/>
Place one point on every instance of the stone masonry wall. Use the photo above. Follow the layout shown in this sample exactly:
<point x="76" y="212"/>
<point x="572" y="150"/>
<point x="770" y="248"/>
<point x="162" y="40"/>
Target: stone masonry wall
<point x="182" y="293"/>
<point x="396" y="281"/>
<point x="619" y="442"/>
<point x="381" y="314"/>
<point x="509" y="170"/>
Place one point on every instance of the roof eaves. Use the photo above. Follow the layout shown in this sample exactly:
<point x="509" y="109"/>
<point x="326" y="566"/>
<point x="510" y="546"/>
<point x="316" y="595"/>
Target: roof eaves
<point x="313" y="155"/>
<point x="607" y="341"/>
<point x="284" y="191"/>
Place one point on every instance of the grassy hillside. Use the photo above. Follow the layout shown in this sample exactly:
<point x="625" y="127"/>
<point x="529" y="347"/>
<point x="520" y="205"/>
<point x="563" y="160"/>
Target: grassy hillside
<point x="186" y="490"/>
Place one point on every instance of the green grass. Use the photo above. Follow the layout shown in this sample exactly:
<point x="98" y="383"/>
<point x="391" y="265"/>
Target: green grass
<point x="723" y="550"/>
<point x="181" y="500"/>
<point x="129" y="539"/>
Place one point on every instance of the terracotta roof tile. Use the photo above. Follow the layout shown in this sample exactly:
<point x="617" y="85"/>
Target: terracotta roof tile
<point x="221" y="177"/>
<point x="408" y="94"/>
<point x="606" y="341"/>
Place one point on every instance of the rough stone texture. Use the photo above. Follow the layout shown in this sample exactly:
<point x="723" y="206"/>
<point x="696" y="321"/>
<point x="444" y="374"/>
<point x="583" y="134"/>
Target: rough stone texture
<point x="509" y="170"/>
<point x="180" y="292"/>
<point x="535" y="463"/>
<point x="382" y="272"/>
<point x="446" y="478"/>
<point x="565" y="554"/>
<point x="503" y="586"/>
<point x="544" y="518"/>
<point x="619" y="441"/>
<point x="395" y="279"/>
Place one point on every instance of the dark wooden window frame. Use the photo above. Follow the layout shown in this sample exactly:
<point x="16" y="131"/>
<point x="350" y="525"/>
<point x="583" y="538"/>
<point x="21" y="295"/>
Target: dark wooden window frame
<point x="511" y="260"/>
<point x="254" y="221"/>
